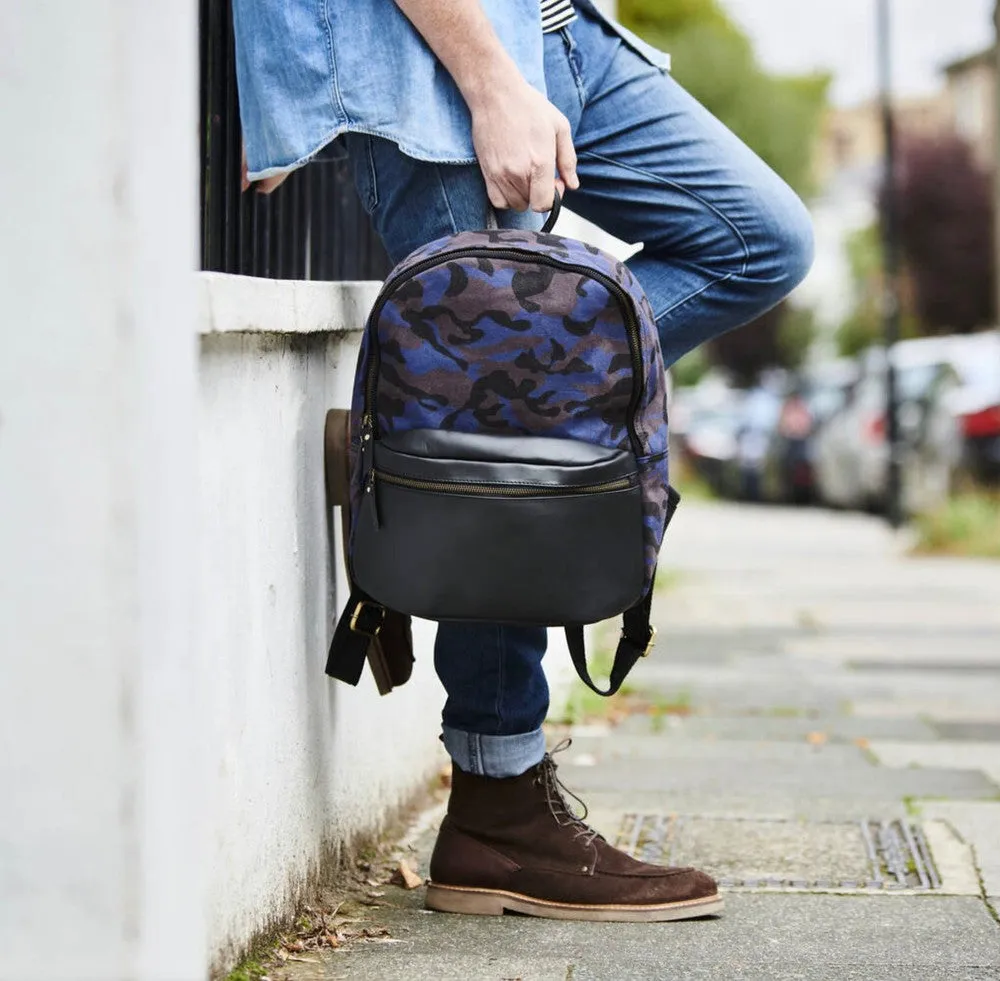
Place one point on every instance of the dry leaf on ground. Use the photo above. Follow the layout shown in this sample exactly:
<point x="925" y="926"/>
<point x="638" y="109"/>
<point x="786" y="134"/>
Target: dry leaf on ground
<point x="405" y="876"/>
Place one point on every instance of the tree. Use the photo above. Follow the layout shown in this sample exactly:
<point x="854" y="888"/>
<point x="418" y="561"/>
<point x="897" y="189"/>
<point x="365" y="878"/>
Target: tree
<point x="779" y="338"/>
<point x="778" y="117"/>
<point x="944" y="204"/>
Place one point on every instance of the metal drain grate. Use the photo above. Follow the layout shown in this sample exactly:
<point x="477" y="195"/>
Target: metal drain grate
<point x="753" y="853"/>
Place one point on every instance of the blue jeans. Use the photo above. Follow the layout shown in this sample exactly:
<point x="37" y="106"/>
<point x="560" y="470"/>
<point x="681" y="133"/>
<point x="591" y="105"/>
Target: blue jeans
<point x="725" y="239"/>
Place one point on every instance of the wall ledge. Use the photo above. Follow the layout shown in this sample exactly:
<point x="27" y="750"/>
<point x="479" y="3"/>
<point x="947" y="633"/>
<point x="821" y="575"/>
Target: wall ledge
<point x="249" y="305"/>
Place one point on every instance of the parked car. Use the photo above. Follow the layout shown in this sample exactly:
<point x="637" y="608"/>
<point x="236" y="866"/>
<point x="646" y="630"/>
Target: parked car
<point x="756" y="418"/>
<point x="851" y="451"/>
<point x="976" y="402"/>
<point x="710" y="443"/>
<point x="813" y="397"/>
<point x="703" y="422"/>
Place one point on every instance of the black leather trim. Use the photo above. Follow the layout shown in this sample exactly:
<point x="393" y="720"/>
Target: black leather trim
<point x="543" y="561"/>
<point x="427" y="454"/>
<point x="479" y="446"/>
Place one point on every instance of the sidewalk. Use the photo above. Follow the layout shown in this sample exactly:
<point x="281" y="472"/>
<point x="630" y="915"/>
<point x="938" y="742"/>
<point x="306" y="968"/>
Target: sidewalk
<point x="822" y="733"/>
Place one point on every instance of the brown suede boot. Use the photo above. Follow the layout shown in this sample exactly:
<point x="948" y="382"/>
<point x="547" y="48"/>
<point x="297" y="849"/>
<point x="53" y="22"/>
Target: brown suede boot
<point x="515" y="845"/>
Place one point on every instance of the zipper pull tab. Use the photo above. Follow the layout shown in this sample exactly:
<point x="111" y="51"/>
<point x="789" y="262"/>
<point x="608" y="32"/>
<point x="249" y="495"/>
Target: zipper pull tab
<point x="367" y="447"/>
<point x="368" y="466"/>
<point x="371" y="496"/>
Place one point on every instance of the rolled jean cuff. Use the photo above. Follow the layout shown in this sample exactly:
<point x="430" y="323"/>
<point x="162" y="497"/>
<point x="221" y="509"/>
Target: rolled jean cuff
<point x="494" y="756"/>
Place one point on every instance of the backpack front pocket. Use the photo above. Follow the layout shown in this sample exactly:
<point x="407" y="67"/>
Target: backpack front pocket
<point x="529" y="530"/>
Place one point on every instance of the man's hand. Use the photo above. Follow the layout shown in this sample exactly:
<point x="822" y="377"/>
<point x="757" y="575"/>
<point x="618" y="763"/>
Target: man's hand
<point x="520" y="138"/>
<point x="522" y="141"/>
<point x="265" y="186"/>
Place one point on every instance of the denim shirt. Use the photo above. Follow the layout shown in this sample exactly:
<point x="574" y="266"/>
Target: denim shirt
<point x="309" y="70"/>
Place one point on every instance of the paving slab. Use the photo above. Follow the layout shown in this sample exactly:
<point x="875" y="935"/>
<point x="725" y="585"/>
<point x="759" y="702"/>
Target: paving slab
<point x="745" y="696"/>
<point x="874" y="938"/>
<point x="982" y="757"/>
<point x="988" y="669"/>
<point x="896" y="646"/>
<point x="606" y="806"/>
<point x="971" y="708"/>
<point x="668" y="747"/>
<point x="833" y="727"/>
<point x="975" y="732"/>
<point x="978" y="822"/>
<point x="726" y="778"/>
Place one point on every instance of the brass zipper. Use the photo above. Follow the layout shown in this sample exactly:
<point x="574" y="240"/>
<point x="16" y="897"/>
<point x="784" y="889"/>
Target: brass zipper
<point x="501" y="490"/>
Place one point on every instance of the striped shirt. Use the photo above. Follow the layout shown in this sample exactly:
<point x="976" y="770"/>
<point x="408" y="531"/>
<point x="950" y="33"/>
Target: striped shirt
<point x="556" y="14"/>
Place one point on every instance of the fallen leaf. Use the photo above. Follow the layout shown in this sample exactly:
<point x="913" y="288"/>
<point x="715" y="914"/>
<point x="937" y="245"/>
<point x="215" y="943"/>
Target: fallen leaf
<point x="405" y="876"/>
<point x="817" y="738"/>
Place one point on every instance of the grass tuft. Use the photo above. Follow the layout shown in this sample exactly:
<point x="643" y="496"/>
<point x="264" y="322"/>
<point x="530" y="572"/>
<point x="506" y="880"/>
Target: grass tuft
<point x="968" y="525"/>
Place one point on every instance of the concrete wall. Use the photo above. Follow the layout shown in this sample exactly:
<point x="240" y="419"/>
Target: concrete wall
<point x="299" y="763"/>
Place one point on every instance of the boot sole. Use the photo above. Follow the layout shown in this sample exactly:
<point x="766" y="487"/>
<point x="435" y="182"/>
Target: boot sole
<point x="495" y="902"/>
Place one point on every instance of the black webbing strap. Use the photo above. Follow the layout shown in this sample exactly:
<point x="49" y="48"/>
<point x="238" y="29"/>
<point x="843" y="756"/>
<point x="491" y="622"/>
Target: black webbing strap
<point x="368" y="630"/>
<point x="636" y="641"/>
<point x="358" y="626"/>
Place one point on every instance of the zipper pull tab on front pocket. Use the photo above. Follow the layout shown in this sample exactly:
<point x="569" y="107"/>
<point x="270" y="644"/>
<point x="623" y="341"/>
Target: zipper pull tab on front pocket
<point x="368" y="467"/>
<point x="371" y="499"/>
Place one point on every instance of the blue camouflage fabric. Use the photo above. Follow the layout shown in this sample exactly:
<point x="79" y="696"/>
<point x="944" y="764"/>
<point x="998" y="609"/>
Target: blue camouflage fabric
<point x="521" y="338"/>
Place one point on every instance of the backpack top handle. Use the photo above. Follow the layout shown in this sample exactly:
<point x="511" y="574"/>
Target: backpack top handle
<point x="550" y="222"/>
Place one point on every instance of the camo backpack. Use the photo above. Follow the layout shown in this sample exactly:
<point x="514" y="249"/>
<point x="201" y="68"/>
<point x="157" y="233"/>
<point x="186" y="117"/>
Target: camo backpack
<point x="508" y="447"/>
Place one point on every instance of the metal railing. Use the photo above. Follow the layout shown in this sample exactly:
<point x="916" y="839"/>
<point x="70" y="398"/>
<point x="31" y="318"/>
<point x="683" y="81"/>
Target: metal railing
<point x="312" y="227"/>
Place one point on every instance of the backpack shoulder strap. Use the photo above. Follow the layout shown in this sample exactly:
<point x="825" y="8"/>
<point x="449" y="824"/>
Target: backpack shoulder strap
<point x="636" y="641"/>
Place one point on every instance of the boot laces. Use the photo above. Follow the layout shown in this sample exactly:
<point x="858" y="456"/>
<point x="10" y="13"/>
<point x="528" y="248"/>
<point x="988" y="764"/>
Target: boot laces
<point x="556" y="793"/>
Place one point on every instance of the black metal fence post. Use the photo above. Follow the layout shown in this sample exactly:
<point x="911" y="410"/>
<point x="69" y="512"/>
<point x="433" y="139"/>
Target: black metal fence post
<point x="890" y="250"/>
<point x="312" y="227"/>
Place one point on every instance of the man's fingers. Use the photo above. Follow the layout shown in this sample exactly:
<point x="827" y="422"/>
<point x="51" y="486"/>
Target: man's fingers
<point x="542" y="190"/>
<point x="268" y="184"/>
<point x="566" y="155"/>
<point x="517" y="191"/>
<point x="497" y="198"/>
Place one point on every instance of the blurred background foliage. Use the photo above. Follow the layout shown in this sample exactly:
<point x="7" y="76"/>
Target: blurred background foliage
<point x="944" y="201"/>
<point x="779" y="117"/>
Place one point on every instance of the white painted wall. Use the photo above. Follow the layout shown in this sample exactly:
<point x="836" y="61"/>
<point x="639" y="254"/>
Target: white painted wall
<point x="100" y="801"/>
<point x="299" y="763"/>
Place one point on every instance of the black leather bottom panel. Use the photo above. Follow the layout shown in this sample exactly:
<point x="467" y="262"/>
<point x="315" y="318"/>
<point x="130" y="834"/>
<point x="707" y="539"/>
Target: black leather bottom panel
<point x="547" y="561"/>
